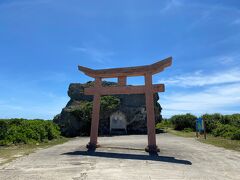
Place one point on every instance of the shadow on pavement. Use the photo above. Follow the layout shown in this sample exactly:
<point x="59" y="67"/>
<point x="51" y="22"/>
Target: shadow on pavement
<point x="155" y="157"/>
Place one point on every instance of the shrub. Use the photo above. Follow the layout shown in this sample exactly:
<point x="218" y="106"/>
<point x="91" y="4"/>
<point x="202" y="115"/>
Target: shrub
<point x="3" y="129"/>
<point x="83" y="112"/>
<point x="233" y="119"/>
<point x="226" y="131"/>
<point x="53" y="130"/>
<point x="211" y="121"/>
<point x="187" y="130"/>
<point x="236" y="135"/>
<point x="164" y="124"/>
<point x="109" y="104"/>
<point x="14" y="131"/>
<point x="181" y="122"/>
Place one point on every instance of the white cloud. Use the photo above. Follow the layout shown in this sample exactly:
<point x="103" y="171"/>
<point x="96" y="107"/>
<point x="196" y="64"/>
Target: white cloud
<point x="227" y="60"/>
<point x="200" y="79"/>
<point x="236" y="21"/>
<point x="27" y="109"/>
<point x="56" y="77"/>
<point x="171" y="5"/>
<point x="220" y="98"/>
<point x="200" y="93"/>
<point x="23" y="3"/>
<point x="97" y="55"/>
<point x="9" y="106"/>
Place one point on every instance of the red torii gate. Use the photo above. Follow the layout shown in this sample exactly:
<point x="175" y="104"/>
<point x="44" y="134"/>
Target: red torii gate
<point x="122" y="73"/>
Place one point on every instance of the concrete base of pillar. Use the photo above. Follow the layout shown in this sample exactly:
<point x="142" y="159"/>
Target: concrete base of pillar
<point x="92" y="147"/>
<point x="152" y="149"/>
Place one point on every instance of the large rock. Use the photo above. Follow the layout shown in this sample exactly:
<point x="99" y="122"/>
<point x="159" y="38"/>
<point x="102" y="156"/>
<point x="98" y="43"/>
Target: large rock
<point x="74" y="121"/>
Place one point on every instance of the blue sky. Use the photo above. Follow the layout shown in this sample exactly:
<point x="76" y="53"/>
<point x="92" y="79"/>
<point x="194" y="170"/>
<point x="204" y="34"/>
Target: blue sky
<point x="43" y="41"/>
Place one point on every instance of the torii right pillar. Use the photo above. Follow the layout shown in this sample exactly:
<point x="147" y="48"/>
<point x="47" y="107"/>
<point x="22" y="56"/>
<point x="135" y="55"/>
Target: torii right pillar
<point x="152" y="147"/>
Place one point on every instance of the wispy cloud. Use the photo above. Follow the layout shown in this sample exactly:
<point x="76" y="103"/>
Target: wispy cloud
<point x="43" y="110"/>
<point x="171" y="5"/>
<point x="54" y="77"/>
<point x="10" y="106"/>
<point x="236" y="21"/>
<point x="200" y="92"/>
<point x="95" y="54"/>
<point x="226" y="60"/>
<point x="219" y="98"/>
<point x="199" y="78"/>
<point x="31" y="98"/>
<point x="9" y="4"/>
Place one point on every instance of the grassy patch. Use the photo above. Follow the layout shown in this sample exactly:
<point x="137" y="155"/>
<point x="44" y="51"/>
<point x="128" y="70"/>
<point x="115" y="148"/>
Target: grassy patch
<point x="216" y="141"/>
<point x="181" y="133"/>
<point x="222" y="142"/>
<point x="9" y="153"/>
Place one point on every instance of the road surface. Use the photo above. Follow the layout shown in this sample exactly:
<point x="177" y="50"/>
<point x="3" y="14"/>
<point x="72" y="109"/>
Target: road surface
<point x="123" y="157"/>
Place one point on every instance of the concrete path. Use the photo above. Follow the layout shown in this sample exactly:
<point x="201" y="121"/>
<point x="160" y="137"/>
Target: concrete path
<point x="180" y="158"/>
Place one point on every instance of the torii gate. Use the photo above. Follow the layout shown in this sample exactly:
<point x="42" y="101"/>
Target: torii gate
<point x="122" y="73"/>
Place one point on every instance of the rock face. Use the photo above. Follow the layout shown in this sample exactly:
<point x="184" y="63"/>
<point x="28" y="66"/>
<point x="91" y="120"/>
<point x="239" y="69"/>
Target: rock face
<point x="74" y="122"/>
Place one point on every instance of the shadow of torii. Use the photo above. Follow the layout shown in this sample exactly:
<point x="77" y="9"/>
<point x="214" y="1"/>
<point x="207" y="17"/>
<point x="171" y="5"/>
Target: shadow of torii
<point x="155" y="157"/>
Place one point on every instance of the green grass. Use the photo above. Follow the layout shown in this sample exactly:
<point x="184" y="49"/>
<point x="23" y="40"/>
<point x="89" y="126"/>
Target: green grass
<point x="222" y="142"/>
<point x="181" y="133"/>
<point x="216" y="141"/>
<point x="9" y="153"/>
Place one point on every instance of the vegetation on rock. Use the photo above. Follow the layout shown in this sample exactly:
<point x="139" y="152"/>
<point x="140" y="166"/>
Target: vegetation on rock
<point x="83" y="111"/>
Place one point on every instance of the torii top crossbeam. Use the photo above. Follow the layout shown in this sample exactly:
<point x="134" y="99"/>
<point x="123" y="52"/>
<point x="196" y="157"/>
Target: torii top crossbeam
<point x="128" y="71"/>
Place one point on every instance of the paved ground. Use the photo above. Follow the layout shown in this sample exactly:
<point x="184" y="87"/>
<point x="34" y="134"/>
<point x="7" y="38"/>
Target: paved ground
<point x="180" y="158"/>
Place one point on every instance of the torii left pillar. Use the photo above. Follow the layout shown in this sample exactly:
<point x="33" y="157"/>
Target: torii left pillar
<point x="152" y="147"/>
<point x="92" y="145"/>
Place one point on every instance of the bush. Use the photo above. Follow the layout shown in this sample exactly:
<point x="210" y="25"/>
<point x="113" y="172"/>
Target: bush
<point x="187" y="130"/>
<point x="180" y="122"/>
<point x="211" y="121"/>
<point x="14" y="131"/>
<point x="83" y="112"/>
<point x="109" y="104"/>
<point x="164" y="124"/>
<point x="226" y="131"/>
<point x="236" y="135"/>
<point x="233" y="119"/>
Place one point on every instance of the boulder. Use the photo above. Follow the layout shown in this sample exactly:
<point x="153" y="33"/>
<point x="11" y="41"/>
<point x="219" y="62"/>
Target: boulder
<point x="75" y="118"/>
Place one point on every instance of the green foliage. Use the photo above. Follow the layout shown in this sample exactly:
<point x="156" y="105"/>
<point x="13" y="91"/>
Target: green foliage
<point x="109" y="104"/>
<point x="236" y="135"/>
<point x="233" y="119"/>
<point x="227" y="126"/>
<point x="83" y="111"/>
<point x="187" y="130"/>
<point x="227" y="131"/>
<point x="14" y="131"/>
<point x="180" y="122"/>
<point x="213" y="119"/>
<point x="164" y="124"/>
